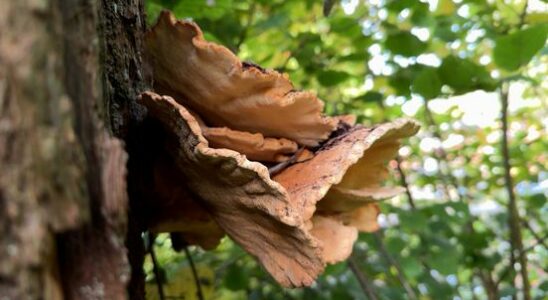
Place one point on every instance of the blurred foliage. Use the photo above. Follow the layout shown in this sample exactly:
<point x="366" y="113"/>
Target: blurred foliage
<point x="383" y="59"/>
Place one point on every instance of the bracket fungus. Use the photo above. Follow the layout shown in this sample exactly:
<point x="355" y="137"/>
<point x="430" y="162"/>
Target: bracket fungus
<point x="226" y="92"/>
<point x="253" y="145"/>
<point x="246" y="155"/>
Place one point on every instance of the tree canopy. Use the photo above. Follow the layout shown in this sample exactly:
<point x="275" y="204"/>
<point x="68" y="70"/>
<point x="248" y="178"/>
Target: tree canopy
<point x="472" y="223"/>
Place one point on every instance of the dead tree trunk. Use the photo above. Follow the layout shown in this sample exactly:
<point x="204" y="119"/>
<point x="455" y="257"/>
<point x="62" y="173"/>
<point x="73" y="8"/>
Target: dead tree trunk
<point x="69" y="75"/>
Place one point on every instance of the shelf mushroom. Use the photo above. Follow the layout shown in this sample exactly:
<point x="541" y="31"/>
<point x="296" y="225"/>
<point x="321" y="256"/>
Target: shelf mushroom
<point x="251" y="208"/>
<point x="249" y="156"/>
<point x="274" y="218"/>
<point x="210" y="80"/>
<point x="253" y="145"/>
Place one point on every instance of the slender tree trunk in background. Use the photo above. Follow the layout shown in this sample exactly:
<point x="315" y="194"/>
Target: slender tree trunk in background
<point x="364" y="282"/>
<point x="489" y="284"/>
<point x="516" y="240"/>
<point x="69" y="75"/>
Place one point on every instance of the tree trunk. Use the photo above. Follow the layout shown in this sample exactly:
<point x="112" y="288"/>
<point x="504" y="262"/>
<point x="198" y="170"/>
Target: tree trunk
<point x="70" y="72"/>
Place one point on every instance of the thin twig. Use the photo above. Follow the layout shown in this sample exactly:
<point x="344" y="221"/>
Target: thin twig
<point x="391" y="261"/>
<point x="401" y="172"/>
<point x="523" y="14"/>
<point x="507" y="270"/>
<point x="366" y="286"/>
<point x="403" y="181"/>
<point x="227" y="263"/>
<point x="441" y="156"/>
<point x="156" y="267"/>
<point x="516" y="241"/>
<point x="490" y="284"/>
<point x="327" y="6"/>
<point x="410" y="199"/>
<point x="245" y="31"/>
<point x="540" y="241"/>
<point x="194" y="274"/>
<point x="538" y="238"/>
<point x="448" y="179"/>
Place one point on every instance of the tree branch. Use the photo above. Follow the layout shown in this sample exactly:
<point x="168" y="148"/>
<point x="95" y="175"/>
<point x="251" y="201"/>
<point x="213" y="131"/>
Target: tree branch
<point x="401" y="172"/>
<point x="538" y="238"/>
<point x="391" y="261"/>
<point x="491" y="287"/>
<point x="245" y="31"/>
<point x="506" y="271"/>
<point x="410" y="199"/>
<point x="516" y="241"/>
<point x="403" y="181"/>
<point x="194" y="274"/>
<point x="362" y="279"/>
<point x="540" y="241"/>
<point x="449" y="179"/>
<point x="523" y="14"/>
<point x="156" y="267"/>
<point x="179" y="243"/>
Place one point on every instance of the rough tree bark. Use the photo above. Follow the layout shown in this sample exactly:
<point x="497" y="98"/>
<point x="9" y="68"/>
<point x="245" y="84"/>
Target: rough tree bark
<point x="69" y="75"/>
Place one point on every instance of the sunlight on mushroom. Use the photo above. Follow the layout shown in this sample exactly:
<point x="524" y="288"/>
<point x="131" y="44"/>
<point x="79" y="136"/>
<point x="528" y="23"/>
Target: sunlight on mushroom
<point x="282" y="220"/>
<point x="210" y="80"/>
<point x="253" y="210"/>
<point x="258" y="160"/>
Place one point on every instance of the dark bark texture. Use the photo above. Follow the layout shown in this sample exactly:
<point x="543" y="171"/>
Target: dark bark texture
<point x="124" y="78"/>
<point x="70" y="72"/>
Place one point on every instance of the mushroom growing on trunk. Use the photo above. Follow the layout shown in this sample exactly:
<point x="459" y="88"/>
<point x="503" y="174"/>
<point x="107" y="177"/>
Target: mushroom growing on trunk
<point x="247" y="155"/>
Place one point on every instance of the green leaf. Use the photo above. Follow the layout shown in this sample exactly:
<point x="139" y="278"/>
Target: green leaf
<point x="537" y="201"/>
<point x="402" y="79"/>
<point x="341" y="292"/>
<point x="421" y="15"/>
<point x="445" y="260"/>
<point x="399" y="5"/>
<point x="275" y="21"/>
<point x="370" y="96"/>
<point x="153" y="11"/>
<point x="332" y="78"/>
<point x="442" y="30"/>
<point x="335" y="269"/>
<point x="411" y="267"/>
<point x="235" y="278"/>
<point x="413" y="220"/>
<point x="201" y="8"/>
<point x="537" y="18"/>
<point x="404" y="43"/>
<point x="427" y="83"/>
<point x="346" y="26"/>
<point x="518" y="48"/>
<point x="395" y="244"/>
<point x="456" y="72"/>
<point x="354" y="57"/>
<point x="463" y="75"/>
<point x="507" y="291"/>
<point x="445" y="7"/>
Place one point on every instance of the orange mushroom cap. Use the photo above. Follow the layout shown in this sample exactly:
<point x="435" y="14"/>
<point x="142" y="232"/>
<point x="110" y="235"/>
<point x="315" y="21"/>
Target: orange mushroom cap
<point x="307" y="215"/>
<point x="212" y="81"/>
<point x="309" y="211"/>
<point x="251" y="208"/>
